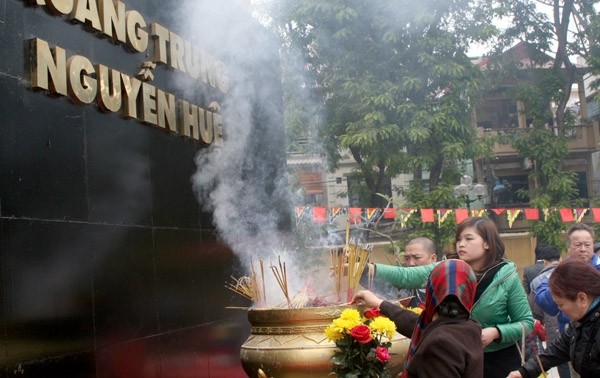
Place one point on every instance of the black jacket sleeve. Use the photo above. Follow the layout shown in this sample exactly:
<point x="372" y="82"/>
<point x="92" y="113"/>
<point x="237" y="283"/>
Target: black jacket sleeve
<point x="556" y="353"/>
<point x="404" y="319"/>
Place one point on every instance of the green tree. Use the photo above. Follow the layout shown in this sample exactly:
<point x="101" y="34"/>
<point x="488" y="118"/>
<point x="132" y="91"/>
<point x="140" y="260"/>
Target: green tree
<point x="396" y="84"/>
<point x="556" y="32"/>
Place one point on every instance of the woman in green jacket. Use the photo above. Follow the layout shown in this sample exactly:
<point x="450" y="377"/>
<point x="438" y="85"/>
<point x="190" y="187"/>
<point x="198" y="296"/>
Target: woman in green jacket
<point x="501" y="305"/>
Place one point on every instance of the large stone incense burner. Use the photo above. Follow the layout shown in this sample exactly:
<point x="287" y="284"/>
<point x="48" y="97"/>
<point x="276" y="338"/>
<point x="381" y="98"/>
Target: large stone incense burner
<point x="290" y="343"/>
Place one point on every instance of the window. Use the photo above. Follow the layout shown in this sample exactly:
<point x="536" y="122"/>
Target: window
<point x="582" y="185"/>
<point x="510" y="195"/>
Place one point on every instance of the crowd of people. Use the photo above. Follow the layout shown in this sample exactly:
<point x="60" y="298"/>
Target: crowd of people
<point x="480" y="319"/>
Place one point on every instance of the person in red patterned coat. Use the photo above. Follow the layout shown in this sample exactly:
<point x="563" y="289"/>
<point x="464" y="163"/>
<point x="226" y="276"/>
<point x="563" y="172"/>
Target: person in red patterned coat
<point x="445" y="341"/>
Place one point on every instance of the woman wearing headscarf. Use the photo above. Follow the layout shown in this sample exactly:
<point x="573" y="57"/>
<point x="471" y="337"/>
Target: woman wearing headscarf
<point x="445" y="341"/>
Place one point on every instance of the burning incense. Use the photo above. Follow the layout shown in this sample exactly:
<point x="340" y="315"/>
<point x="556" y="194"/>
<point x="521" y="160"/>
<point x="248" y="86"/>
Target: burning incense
<point x="358" y="257"/>
<point x="347" y="233"/>
<point x="281" y="277"/>
<point x="348" y="265"/>
<point x="337" y="265"/>
<point x="244" y="286"/>
<point x="262" y="274"/>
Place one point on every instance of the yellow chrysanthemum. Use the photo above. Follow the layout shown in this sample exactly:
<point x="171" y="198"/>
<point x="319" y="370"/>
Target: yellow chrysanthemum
<point x="351" y="314"/>
<point x="348" y="319"/>
<point x="383" y="326"/>
<point x="334" y="333"/>
<point x="346" y="324"/>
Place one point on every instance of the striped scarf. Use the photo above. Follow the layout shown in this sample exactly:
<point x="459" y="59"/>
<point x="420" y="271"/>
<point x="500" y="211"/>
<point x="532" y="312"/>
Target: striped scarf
<point x="450" y="277"/>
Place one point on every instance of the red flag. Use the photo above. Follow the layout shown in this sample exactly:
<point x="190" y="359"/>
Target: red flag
<point x="567" y="215"/>
<point x="532" y="214"/>
<point x="427" y="215"/>
<point x="596" y="212"/>
<point x="390" y="213"/>
<point x="461" y="215"/>
<point x="319" y="215"/>
<point x="354" y="214"/>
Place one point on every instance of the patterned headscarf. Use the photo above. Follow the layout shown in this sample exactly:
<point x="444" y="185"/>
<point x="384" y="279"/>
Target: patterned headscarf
<point x="449" y="277"/>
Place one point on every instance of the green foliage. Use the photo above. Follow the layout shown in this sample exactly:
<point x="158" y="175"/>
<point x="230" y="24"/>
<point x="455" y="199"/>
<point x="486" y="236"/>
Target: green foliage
<point x="441" y="197"/>
<point x="394" y="80"/>
<point x="550" y="230"/>
<point x="554" y="186"/>
<point x="354" y="360"/>
<point x="552" y="43"/>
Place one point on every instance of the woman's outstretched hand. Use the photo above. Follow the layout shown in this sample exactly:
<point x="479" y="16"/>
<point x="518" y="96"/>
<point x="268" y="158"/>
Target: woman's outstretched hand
<point x="367" y="298"/>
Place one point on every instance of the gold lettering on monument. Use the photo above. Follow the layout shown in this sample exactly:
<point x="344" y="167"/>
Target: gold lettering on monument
<point x="85" y="82"/>
<point x="112" y="19"/>
<point x="109" y="98"/>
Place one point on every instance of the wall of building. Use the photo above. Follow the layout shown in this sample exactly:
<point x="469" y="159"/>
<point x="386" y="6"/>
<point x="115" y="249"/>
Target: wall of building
<point x="109" y="264"/>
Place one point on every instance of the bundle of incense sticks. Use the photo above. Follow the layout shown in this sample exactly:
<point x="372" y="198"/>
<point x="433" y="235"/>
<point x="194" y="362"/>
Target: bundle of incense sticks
<point x="338" y="259"/>
<point x="244" y="286"/>
<point x="261" y="300"/>
<point x="281" y="277"/>
<point x="358" y="257"/>
<point x="348" y="265"/>
<point x="250" y="287"/>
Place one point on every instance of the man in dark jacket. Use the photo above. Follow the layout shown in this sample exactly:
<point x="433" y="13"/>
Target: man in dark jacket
<point x="550" y="256"/>
<point x="533" y="270"/>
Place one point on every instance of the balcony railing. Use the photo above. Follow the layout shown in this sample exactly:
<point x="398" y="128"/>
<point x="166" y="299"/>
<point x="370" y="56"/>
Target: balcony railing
<point x="582" y="138"/>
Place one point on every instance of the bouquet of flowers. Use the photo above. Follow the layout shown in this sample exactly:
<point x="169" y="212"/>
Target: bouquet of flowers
<point x="362" y="350"/>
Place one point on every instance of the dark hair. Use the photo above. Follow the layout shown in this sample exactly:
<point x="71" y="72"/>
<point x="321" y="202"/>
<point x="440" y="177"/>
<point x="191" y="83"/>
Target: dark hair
<point x="538" y="250"/>
<point x="574" y="276"/>
<point x="451" y="307"/>
<point x="548" y="252"/>
<point x="579" y="227"/>
<point x="485" y="228"/>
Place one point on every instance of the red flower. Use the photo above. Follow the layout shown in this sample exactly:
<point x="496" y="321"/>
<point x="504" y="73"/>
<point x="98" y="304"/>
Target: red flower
<point x="383" y="354"/>
<point x="372" y="313"/>
<point x="361" y="333"/>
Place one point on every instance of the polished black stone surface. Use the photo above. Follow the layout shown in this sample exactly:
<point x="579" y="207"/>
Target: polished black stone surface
<point x="109" y="266"/>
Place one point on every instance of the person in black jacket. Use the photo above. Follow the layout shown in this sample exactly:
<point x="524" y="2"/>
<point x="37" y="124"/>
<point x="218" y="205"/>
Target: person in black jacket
<point x="575" y="287"/>
<point x="532" y="271"/>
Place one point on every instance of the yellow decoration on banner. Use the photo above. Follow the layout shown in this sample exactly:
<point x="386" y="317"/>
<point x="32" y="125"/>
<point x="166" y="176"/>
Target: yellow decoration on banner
<point x="546" y="213"/>
<point x="477" y="212"/>
<point x="300" y="211"/>
<point x="579" y="214"/>
<point x="334" y="213"/>
<point x="511" y="216"/>
<point x="443" y="215"/>
<point x="371" y="213"/>
<point x="405" y="216"/>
